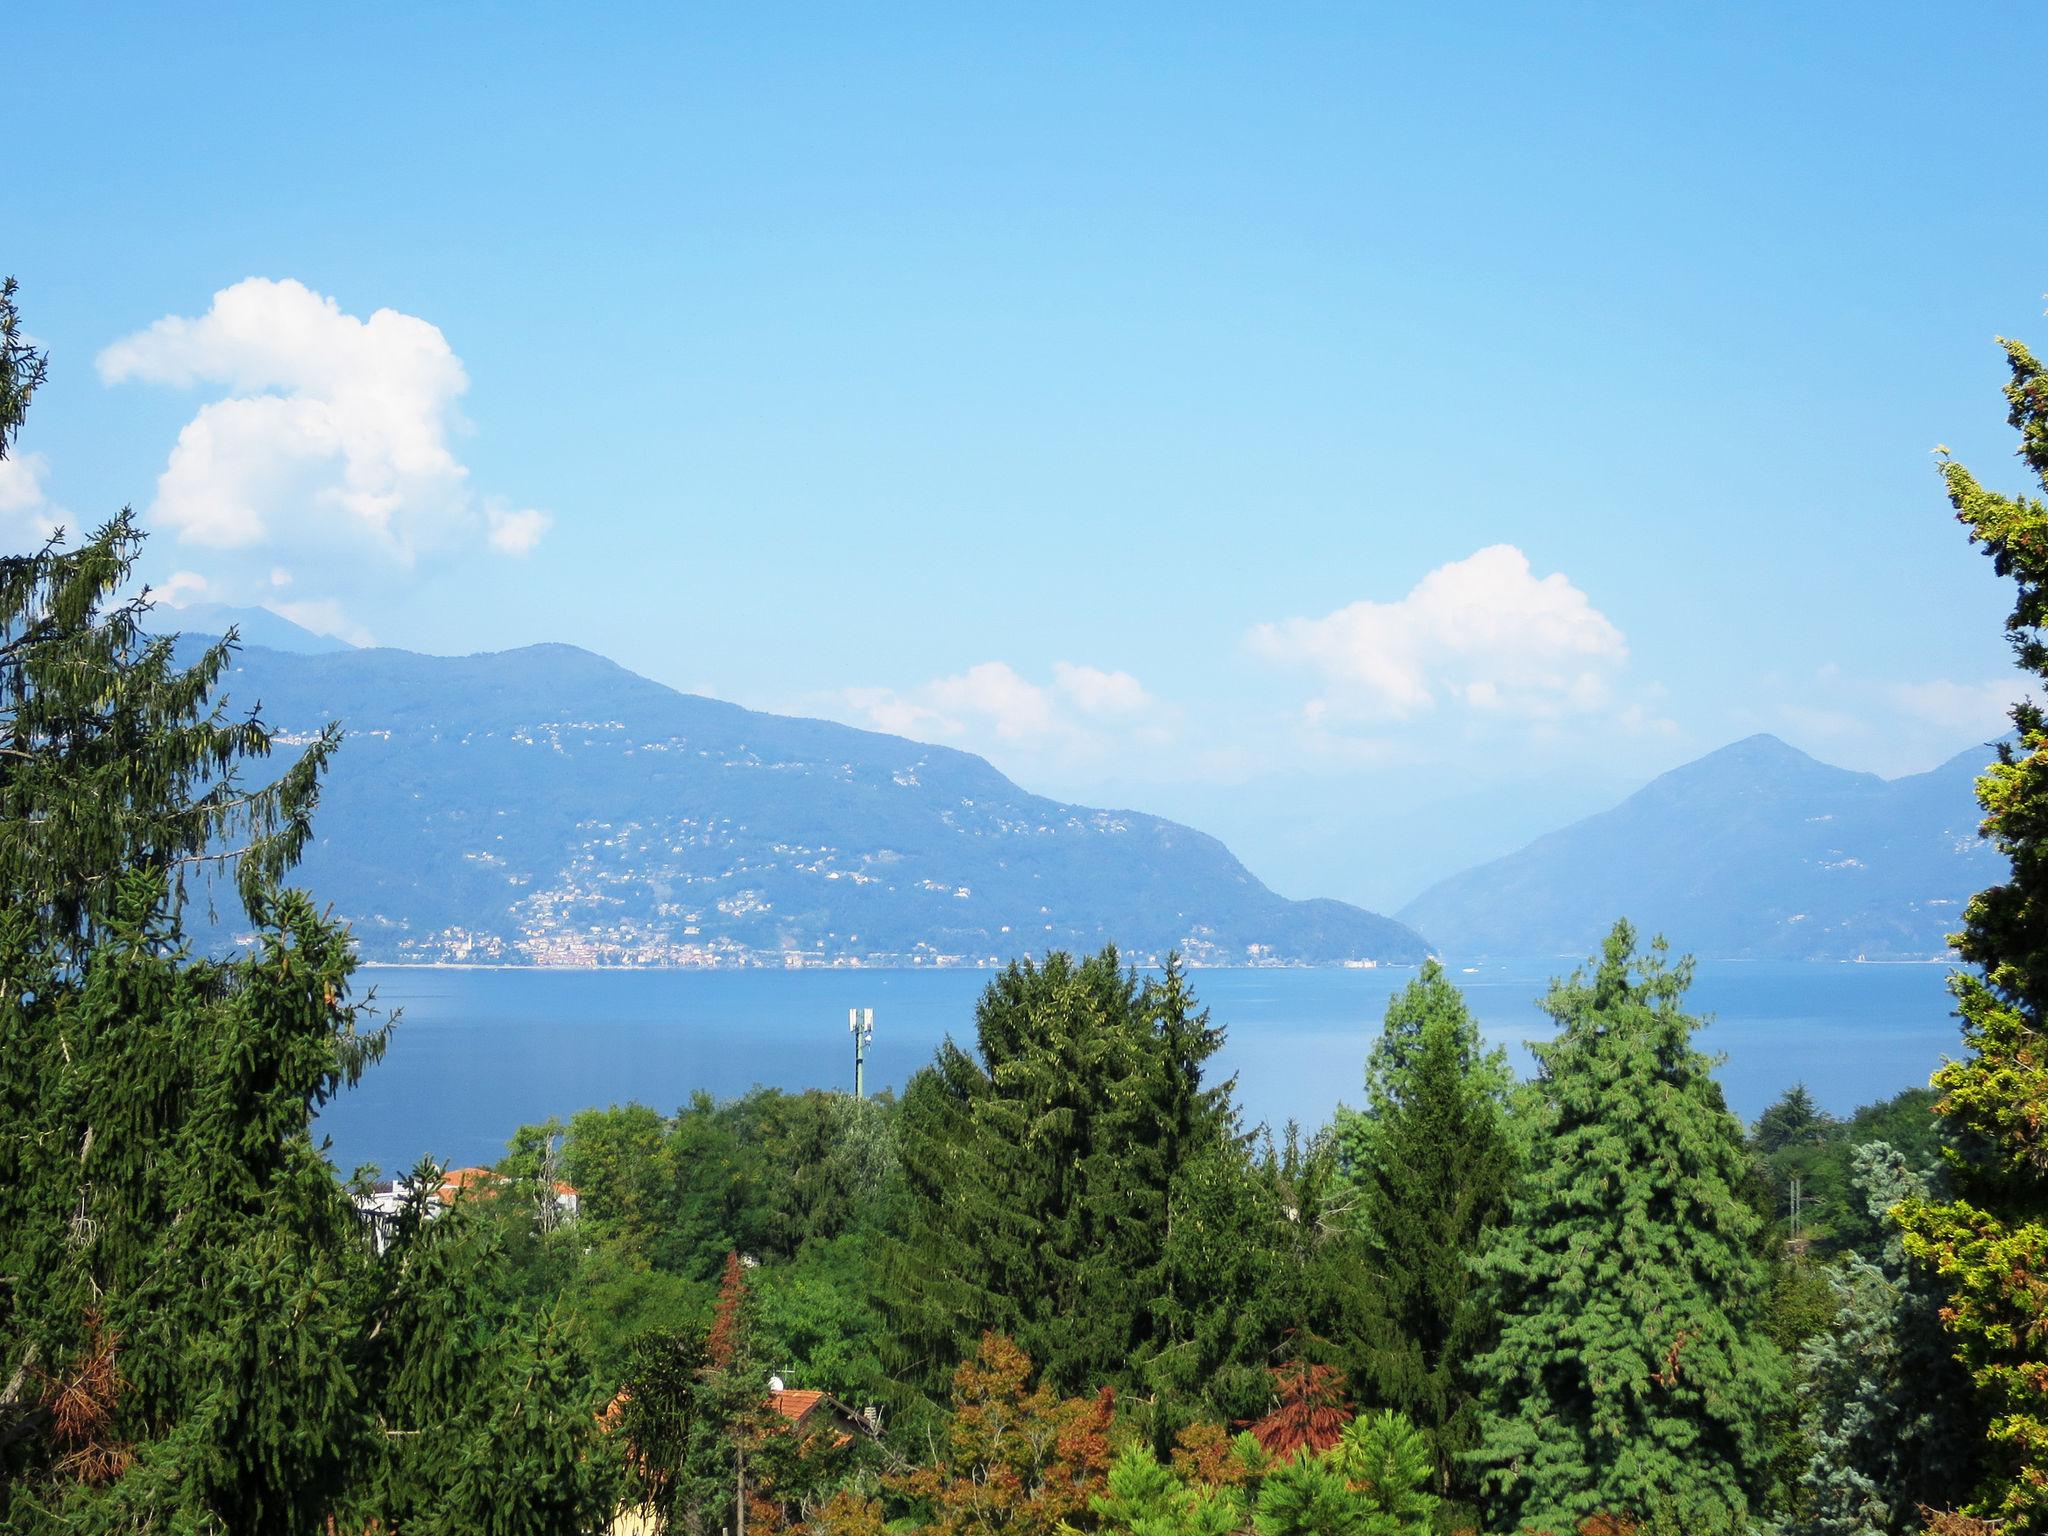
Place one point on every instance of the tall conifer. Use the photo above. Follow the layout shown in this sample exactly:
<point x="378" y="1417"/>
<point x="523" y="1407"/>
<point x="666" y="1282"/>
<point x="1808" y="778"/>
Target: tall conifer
<point x="1043" y="1170"/>
<point x="1430" y="1165"/>
<point x="1631" y="1373"/>
<point x="188" y="1305"/>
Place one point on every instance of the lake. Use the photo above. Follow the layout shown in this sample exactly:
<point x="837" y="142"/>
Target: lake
<point x="479" y="1052"/>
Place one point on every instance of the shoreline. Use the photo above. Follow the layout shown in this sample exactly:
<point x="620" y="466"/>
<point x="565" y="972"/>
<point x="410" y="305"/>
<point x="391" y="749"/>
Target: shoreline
<point x="1452" y="967"/>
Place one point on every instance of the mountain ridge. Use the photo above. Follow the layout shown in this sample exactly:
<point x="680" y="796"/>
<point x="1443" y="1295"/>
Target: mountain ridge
<point x="547" y="805"/>
<point x="1755" y="850"/>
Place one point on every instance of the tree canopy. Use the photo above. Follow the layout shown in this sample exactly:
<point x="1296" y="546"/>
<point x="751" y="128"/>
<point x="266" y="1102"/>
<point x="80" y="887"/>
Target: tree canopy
<point x="1989" y="1243"/>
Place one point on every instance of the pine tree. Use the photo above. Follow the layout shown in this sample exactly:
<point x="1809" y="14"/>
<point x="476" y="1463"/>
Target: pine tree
<point x="1630" y="1369"/>
<point x="1309" y="1495"/>
<point x="162" y="1209"/>
<point x="1429" y="1163"/>
<point x="1147" y="1499"/>
<point x="1989" y="1243"/>
<point x="1392" y="1464"/>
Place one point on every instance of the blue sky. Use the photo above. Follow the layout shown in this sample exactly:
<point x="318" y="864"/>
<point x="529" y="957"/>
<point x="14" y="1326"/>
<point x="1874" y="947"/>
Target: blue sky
<point x="1370" y="433"/>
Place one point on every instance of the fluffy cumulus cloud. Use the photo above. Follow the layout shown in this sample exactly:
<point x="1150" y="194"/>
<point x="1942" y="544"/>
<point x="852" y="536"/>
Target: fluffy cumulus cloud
<point x="1484" y="632"/>
<point x="1080" y="711"/>
<point x="331" y="432"/>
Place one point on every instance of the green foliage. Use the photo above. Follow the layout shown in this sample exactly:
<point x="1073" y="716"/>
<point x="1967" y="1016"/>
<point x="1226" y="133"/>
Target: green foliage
<point x="1373" y="1483"/>
<point x="1881" y="1390"/>
<point x="1429" y="1164"/>
<point x="192" y="1324"/>
<point x="1795" y="1120"/>
<point x="1795" y="1140"/>
<point x="1147" y="1499"/>
<point x="1392" y="1464"/>
<point x="1989" y="1243"/>
<point x="1631" y="1367"/>
<point x="1044" y="1172"/>
<point x="1308" y="1495"/>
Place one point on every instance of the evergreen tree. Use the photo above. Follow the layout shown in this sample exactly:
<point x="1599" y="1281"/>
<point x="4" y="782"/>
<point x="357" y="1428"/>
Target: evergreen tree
<point x="1309" y="1495"/>
<point x="1147" y="1499"/>
<point x="1372" y="1482"/>
<point x="165" y="1223"/>
<point x="1880" y="1387"/>
<point x="1793" y="1120"/>
<point x="1430" y="1165"/>
<point x="188" y="1304"/>
<point x="1630" y="1369"/>
<point x="1392" y="1463"/>
<point x="1043" y="1171"/>
<point x="1989" y="1243"/>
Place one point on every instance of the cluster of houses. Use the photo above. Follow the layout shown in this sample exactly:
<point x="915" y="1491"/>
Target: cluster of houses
<point x="379" y="1205"/>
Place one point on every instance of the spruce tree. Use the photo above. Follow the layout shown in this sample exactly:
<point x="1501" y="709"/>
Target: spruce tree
<point x="1043" y="1169"/>
<point x="1631" y="1371"/>
<point x="188" y="1304"/>
<point x="1989" y="1243"/>
<point x="1430" y="1165"/>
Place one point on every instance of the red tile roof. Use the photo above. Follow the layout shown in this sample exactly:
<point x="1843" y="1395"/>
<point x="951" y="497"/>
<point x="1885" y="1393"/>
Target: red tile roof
<point x="794" y="1405"/>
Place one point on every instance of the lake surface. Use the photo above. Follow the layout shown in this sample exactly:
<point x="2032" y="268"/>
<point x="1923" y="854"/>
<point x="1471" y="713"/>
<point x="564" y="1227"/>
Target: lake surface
<point x="479" y="1052"/>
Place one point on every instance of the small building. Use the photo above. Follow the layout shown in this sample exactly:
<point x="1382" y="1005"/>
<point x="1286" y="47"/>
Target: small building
<point x="811" y="1411"/>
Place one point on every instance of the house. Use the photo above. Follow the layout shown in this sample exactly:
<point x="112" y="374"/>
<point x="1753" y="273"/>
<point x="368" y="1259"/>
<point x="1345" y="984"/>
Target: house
<point x="811" y="1411"/>
<point x="378" y="1207"/>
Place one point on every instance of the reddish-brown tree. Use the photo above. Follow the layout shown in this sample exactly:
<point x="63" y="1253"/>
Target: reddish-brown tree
<point x="1017" y="1460"/>
<point x="1311" y="1412"/>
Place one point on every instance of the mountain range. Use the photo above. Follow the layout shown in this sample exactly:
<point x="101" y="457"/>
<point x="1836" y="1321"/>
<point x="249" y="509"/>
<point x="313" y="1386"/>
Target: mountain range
<point x="1756" y="851"/>
<point x="547" y="806"/>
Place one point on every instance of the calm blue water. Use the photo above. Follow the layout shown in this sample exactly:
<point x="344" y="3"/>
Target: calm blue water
<point x="478" y="1053"/>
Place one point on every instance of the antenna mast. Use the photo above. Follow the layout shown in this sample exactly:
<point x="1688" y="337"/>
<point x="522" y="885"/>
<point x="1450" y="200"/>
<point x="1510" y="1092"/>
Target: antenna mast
<point x="861" y="1023"/>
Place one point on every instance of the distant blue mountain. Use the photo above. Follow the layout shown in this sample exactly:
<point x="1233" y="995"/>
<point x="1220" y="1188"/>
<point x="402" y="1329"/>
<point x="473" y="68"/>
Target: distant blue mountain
<point x="545" y="805"/>
<point x="1756" y="850"/>
<point x="255" y="626"/>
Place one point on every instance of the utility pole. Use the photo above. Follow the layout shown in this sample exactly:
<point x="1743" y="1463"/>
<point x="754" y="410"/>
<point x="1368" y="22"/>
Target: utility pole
<point x="1797" y="1203"/>
<point x="861" y="1022"/>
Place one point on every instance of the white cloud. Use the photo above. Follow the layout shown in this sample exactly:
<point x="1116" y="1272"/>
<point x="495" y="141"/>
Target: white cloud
<point x="333" y="433"/>
<point x="992" y="697"/>
<point x="1484" y="632"/>
<point x="180" y="588"/>
<point x="1096" y="692"/>
<point x="515" y="533"/>
<point x="27" y="515"/>
<point x="1879" y="724"/>
<point x="324" y="616"/>
<point x="1972" y="709"/>
<point x="1084" y="713"/>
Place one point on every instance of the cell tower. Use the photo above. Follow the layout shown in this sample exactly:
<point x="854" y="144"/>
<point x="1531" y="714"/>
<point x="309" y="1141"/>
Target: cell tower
<point x="861" y="1023"/>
